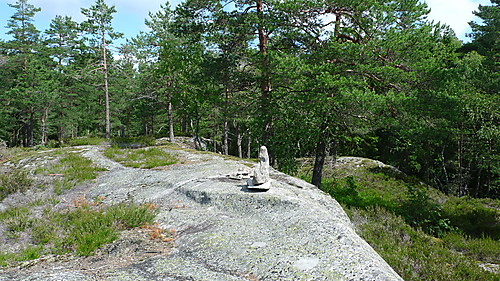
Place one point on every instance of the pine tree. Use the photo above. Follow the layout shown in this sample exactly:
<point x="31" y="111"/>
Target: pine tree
<point x="99" y="26"/>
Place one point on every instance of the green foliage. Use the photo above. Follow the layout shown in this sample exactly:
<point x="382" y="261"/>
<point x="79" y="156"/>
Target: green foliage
<point x="16" y="219"/>
<point x="74" y="170"/>
<point x="88" y="230"/>
<point x="128" y="215"/>
<point x="419" y="210"/>
<point x="485" y="249"/>
<point x="13" y="180"/>
<point x="81" y="230"/>
<point x="133" y="142"/>
<point x="416" y="229"/>
<point x="473" y="216"/>
<point x="30" y="253"/>
<point x="146" y="158"/>
<point x="84" y="141"/>
<point x="91" y="228"/>
<point x="417" y="256"/>
<point x="346" y="191"/>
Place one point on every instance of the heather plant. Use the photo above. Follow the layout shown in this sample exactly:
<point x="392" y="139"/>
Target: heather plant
<point x="146" y="158"/>
<point x="80" y="230"/>
<point x="416" y="255"/>
<point x="422" y="233"/>
<point x="71" y="170"/>
<point x="13" y="180"/>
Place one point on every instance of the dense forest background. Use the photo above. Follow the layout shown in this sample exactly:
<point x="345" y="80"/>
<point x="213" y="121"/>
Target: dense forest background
<point x="307" y="78"/>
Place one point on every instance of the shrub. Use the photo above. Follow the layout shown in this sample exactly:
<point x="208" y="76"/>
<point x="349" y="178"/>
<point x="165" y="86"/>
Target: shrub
<point x="419" y="210"/>
<point x="134" y="142"/>
<point x="81" y="230"/>
<point x="140" y="158"/>
<point x="483" y="249"/>
<point x="350" y="193"/>
<point x="473" y="217"/>
<point x="90" y="228"/>
<point x="84" y="141"/>
<point x="12" y="181"/>
<point x="74" y="169"/>
<point x="132" y="215"/>
<point x="16" y="219"/>
<point x="413" y="254"/>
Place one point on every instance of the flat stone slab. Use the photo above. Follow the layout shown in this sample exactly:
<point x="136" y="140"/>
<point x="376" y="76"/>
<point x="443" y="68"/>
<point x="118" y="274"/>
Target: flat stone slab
<point x="264" y="186"/>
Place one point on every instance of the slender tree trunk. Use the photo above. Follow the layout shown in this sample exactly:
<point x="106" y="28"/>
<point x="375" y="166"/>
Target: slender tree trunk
<point x="215" y="139"/>
<point x="249" y="144"/>
<point x="239" y="139"/>
<point x="45" y="114"/>
<point x="443" y="165"/>
<point x="60" y="129"/>
<point x="461" y="181"/>
<point x="226" y="126"/>
<point x="319" y="162"/>
<point x="226" y="137"/>
<point x="184" y="124"/>
<point x="170" y="118"/>
<point x="106" y="90"/>
<point x="29" y="129"/>
<point x="265" y="83"/>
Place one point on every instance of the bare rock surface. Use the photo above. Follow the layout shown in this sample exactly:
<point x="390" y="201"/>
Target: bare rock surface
<point x="224" y="230"/>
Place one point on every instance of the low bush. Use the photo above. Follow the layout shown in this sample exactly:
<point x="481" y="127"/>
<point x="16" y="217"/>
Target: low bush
<point x="81" y="230"/>
<point x="71" y="170"/>
<point x="418" y="230"/>
<point x="483" y="249"/>
<point x="473" y="216"/>
<point x="16" y="219"/>
<point x="146" y="158"/>
<point x="134" y="142"/>
<point x="420" y="211"/>
<point x="413" y="254"/>
<point x="13" y="180"/>
<point x="83" y="141"/>
<point x="349" y="192"/>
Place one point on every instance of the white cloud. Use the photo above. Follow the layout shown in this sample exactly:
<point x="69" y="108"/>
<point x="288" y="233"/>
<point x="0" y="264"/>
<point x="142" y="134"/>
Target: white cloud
<point x="52" y="8"/>
<point x="455" y="13"/>
<point x="140" y="8"/>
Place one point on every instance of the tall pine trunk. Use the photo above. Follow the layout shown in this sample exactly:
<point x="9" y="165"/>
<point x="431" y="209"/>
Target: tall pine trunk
<point x="319" y="162"/>
<point x="265" y="83"/>
<point x="170" y="118"/>
<point x="225" y="143"/>
<point x="239" y="140"/>
<point x="320" y="156"/>
<point x="249" y="144"/>
<point x="106" y="90"/>
<point x="43" y="120"/>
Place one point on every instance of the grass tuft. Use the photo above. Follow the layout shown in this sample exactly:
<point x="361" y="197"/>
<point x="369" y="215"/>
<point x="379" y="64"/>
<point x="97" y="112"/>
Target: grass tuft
<point x="84" y="141"/>
<point x="71" y="170"/>
<point x="81" y="230"/>
<point x="13" y="180"/>
<point x="146" y="158"/>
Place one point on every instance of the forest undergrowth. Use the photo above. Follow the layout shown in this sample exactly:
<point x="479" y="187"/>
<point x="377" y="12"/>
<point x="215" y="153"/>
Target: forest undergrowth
<point x="422" y="233"/>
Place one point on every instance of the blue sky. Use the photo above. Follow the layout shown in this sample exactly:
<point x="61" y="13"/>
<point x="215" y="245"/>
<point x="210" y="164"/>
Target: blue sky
<point x="131" y="14"/>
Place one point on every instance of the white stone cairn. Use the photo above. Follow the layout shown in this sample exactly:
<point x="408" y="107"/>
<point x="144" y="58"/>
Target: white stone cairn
<point x="261" y="179"/>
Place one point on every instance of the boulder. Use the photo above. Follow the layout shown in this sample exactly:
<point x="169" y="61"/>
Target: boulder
<point x="226" y="231"/>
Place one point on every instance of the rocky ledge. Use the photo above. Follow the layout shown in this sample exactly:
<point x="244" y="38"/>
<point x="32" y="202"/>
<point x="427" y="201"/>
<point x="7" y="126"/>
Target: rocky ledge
<point x="224" y="231"/>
